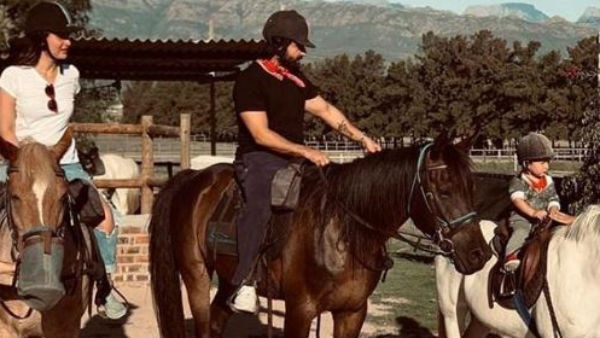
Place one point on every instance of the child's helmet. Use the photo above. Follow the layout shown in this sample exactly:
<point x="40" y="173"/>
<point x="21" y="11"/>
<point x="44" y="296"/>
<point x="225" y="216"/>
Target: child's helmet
<point x="287" y="24"/>
<point x="534" y="146"/>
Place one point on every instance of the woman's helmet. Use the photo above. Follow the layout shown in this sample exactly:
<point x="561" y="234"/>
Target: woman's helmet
<point x="289" y="25"/>
<point x="49" y="16"/>
<point x="534" y="146"/>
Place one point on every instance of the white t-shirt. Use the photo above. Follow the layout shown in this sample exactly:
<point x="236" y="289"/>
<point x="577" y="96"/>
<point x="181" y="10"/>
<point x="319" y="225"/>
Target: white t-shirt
<point x="33" y="118"/>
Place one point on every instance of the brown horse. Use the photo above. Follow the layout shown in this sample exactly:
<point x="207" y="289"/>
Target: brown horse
<point x="333" y="251"/>
<point x="45" y="245"/>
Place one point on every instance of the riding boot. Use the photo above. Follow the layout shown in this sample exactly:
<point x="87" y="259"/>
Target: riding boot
<point x="112" y="308"/>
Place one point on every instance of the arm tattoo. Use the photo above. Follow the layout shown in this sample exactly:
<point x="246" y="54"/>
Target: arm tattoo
<point x="343" y="128"/>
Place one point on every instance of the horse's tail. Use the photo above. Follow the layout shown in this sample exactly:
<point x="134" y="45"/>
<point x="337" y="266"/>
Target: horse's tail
<point x="164" y="272"/>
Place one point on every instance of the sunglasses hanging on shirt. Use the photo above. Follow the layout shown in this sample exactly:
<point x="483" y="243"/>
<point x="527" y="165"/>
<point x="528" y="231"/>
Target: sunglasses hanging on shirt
<point x="52" y="105"/>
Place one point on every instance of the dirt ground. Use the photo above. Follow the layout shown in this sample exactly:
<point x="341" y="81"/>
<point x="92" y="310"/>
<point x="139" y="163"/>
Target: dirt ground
<point x="141" y="323"/>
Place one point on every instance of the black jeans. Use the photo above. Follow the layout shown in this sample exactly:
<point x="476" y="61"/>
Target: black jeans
<point x="254" y="171"/>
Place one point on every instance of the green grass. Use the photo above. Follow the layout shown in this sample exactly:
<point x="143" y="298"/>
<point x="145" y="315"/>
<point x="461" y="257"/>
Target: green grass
<point x="407" y="299"/>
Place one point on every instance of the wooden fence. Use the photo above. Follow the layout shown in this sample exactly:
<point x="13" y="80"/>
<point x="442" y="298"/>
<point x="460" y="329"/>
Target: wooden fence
<point x="147" y="131"/>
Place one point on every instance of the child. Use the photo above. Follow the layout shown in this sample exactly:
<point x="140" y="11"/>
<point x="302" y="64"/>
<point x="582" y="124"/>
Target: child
<point x="532" y="193"/>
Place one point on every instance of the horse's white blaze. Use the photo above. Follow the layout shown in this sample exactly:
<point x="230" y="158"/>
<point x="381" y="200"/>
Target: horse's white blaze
<point x="39" y="189"/>
<point x="573" y="275"/>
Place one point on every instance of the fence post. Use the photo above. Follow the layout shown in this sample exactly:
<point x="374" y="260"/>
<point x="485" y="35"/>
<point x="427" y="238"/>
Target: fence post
<point x="147" y="165"/>
<point x="184" y="137"/>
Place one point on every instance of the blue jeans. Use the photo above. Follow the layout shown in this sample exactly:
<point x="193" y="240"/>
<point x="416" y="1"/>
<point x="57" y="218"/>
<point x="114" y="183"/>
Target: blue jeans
<point x="107" y="243"/>
<point x="254" y="171"/>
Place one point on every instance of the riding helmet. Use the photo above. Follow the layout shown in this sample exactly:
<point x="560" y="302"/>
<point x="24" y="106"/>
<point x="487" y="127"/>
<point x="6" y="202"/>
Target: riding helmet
<point x="49" y="16"/>
<point x="287" y="24"/>
<point x="534" y="146"/>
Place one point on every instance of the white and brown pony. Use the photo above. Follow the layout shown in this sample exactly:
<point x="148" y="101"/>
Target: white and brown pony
<point x="112" y="166"/>
<point x="50" y="289"/>
<point x="573" y="280"/>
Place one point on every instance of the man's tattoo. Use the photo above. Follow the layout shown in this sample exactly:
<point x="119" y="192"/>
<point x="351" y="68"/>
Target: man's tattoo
<point x="343" y="128"/>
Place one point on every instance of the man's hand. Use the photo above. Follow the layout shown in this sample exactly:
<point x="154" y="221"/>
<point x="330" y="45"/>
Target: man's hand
<point x="369" y="145"/>
<point x="316" y="156"/>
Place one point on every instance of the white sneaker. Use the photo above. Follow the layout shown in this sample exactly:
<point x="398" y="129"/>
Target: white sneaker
<point x="245" y="300"/>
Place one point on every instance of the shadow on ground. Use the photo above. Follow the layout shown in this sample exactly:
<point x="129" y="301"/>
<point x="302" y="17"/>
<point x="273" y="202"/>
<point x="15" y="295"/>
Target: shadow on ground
<point x="409" y="328"/>
<point x="241" y="326"/>
<point x="98" y="327"/>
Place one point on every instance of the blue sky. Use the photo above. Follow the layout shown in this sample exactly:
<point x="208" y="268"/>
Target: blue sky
<point x="568" y="9"/>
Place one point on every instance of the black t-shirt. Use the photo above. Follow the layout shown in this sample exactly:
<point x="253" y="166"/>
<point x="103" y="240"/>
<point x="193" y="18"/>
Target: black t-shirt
<point x="283" y="100"/>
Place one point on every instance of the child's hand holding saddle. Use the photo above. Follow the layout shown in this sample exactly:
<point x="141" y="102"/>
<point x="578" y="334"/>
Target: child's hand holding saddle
<point x="561" y="217"/>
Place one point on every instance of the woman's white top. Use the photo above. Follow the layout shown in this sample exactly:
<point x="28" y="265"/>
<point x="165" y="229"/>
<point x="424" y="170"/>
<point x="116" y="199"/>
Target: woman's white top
<point x="33" y="118"/>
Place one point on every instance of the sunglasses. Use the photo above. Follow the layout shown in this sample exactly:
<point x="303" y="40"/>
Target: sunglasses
<point x="52" y="102"/>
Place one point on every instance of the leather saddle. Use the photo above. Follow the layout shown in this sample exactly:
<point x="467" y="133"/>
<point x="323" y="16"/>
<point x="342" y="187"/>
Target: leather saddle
<point x="222" y="232"/>
<point x="528" y="279"/>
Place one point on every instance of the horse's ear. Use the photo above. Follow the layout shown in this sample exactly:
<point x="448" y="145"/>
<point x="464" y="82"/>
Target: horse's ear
<point x="8" y="150"/>
<point x="467" y="142"/>
<point x="59" y="149"/>
<point x="94" y="152"/>
<point x="439" y="144"/>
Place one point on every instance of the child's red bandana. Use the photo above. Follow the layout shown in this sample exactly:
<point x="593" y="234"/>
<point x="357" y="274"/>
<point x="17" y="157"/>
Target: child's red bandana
<point x="538" y="185"/>
<point x="280" y="72"/>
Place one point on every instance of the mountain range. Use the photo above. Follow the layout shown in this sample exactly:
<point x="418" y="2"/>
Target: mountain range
<point x="350" y="27"/>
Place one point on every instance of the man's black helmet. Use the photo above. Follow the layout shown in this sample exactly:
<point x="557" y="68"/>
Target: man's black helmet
<point x="287" y="24"/>
<point x="534" y="146"/>
<point x="49" y="16"/>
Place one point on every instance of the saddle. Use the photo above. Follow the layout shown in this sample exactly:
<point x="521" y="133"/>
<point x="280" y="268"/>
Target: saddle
<point x="221" y="229"/>
<point x="528" y="280"/>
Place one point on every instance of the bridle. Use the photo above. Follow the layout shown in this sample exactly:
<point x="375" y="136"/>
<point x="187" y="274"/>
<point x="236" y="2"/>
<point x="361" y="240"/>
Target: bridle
<point x="443" y="225"/>
<point x="41" y="233"/>
<point x="41" y="230"/>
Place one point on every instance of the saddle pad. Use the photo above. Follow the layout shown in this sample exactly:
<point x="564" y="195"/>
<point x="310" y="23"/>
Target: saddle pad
<point x="222" y="233"/>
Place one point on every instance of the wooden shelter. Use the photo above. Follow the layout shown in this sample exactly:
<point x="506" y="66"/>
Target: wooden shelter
<point x="199" y="61"/>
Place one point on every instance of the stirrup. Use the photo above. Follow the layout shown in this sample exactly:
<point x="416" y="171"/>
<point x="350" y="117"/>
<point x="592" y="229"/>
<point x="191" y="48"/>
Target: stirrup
<point x="508" y="291"/>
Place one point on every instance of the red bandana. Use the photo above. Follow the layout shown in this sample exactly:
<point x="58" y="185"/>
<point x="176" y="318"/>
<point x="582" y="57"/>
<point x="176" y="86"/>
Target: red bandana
<point x="539" y="185"/>
<point x="280" y="72"/>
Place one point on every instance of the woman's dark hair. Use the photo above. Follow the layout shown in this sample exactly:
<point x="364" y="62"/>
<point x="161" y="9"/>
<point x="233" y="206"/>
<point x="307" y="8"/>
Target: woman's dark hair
<point x="26" y="51"/>
<point x="277" y="46"/>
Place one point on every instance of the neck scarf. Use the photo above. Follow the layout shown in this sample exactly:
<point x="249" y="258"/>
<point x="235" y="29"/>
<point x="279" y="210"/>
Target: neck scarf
<point x="280" y="72"/>
<point x="538" y="185"/>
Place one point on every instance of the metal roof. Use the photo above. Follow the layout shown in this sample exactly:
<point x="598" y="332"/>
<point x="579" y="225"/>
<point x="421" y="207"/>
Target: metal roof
<point x="123" y="59"/>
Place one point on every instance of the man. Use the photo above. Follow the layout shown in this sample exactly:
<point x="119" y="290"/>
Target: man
<point x="270" y="98"/>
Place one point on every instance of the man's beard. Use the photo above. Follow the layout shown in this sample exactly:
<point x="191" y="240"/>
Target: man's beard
<point x="289" y="64"/>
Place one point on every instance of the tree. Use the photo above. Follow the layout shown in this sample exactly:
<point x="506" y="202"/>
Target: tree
<point x="584" y="97"/>
<point x="167" y="100"/>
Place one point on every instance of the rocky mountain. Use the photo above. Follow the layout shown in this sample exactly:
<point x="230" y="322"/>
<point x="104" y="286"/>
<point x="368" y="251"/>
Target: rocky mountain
<point x="590" y="17"/>
<point x="521" y="11"/>
<point x="336" y="27"/>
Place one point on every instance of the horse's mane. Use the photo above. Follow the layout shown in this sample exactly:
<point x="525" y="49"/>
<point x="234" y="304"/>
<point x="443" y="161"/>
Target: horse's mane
<point x="34" y="159"/>
<point x="376" y="188"/>
<point x="586" y="226"/>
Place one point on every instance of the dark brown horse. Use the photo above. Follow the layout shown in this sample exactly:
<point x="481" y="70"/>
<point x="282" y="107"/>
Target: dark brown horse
<point x="333" y="253"/>
<point x="46" y="245"/>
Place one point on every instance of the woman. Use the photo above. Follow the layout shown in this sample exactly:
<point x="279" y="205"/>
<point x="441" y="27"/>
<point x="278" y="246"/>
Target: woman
<point x="36" y="101"/>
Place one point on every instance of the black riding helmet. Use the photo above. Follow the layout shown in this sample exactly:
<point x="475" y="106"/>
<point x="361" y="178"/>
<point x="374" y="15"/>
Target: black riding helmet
<point x="534" y="147"/>
<point x="287" y="24"/>
<point x="49" y="16"/>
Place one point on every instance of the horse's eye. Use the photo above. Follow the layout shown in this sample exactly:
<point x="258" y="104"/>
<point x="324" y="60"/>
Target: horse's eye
<point x="15" y="199"/>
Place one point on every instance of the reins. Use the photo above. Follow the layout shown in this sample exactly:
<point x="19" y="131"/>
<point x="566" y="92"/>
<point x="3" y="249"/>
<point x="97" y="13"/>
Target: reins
<point x="441" y="245"/>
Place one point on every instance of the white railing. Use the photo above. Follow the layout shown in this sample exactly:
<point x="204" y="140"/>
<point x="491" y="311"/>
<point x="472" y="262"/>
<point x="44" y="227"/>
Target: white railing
<point x="339" y="151"/>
